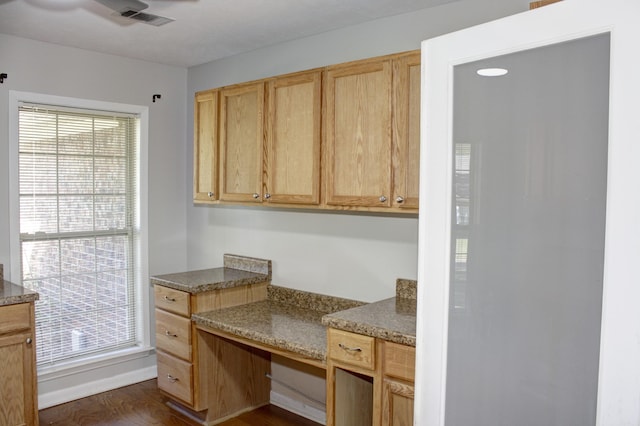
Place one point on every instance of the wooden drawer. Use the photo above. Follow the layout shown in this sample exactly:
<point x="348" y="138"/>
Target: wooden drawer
<point x="15" y="318"/>
<point x="174" y="377"/>
<point x="173" y="334"/>
<point x="351" y="348"/>
<point x="171" y="300"/>
<point x="399" y="361"/>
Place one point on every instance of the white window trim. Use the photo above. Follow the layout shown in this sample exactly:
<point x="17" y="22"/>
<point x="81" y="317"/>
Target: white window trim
<point x="143" y="336"/>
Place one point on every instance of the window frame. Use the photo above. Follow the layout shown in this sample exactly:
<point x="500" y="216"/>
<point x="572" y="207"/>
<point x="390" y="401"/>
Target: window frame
<point x="140" y="225"/>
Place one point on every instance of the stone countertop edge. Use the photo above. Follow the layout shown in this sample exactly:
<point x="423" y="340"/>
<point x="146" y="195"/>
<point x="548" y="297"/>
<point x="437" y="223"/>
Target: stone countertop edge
<point x="288" y="319"/>
<point x="237" y="271"/>
<point x="393" y="319"/>
<point x="406" y="289"/>
<point x="312" y="301"/>
<point x="13" y="294"/>
<point x="249" y="264"/>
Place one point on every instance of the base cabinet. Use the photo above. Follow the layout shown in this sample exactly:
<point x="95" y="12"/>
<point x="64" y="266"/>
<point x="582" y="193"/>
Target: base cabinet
<point x="18" y="389"/>
<point x="182" y="375"/>
<point x="370" y="381"/>
<point x="353" y="379"/>
<point x="398" y="372"/>
<point x="353" y="401"/>
<point x="397" y="403"/>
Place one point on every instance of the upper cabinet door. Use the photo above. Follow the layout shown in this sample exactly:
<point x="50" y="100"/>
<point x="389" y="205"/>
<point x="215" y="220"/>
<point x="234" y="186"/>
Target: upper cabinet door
<point x="205" y="156"/>
<point x="241" y="142"/>
<point x="358" y="134"/>
<point x="292" y="166"/>
<point x="406" y="130"/>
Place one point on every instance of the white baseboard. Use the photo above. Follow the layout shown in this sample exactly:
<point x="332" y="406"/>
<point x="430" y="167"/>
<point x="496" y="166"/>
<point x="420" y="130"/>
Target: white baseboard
<point x="298" y="407"/>
<point x="102" y="385"/>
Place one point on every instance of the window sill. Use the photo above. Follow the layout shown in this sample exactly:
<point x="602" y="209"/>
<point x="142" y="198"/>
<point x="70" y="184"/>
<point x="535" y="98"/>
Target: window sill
<point x="93" y="362"/>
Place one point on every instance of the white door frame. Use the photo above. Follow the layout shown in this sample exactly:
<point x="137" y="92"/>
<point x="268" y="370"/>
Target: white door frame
<point x="619" y="372"/>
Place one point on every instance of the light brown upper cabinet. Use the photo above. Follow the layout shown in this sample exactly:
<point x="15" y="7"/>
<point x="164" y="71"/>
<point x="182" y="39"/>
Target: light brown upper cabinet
<point x="205" y="129"/>
<point x="292" y="167"/>
<point x="406" y="130"/>
<point x="358" y="134"/>
<point x="241" y="142"/>
<point x="345" y="136"/>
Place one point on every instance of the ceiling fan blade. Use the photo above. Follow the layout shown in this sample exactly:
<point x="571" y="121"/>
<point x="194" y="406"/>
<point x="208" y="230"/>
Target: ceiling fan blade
<point x="132" y="9"/>
<point x="122" y="6"/>
<point x="147" y="18"/>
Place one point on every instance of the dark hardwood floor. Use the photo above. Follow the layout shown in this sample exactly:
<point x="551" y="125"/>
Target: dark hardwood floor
<point x="142" y="405"/>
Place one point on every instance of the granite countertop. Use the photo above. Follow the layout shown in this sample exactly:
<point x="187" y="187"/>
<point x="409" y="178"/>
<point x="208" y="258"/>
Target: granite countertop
<point x="288" y="319"/>
<point x="295" y="320"/>
<point x="237" y="271"/>
<point x="12" y="294"/>
<point x="391" y="319"/>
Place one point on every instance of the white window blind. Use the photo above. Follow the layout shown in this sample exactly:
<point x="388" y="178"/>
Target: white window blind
<point x="77" y="190"/>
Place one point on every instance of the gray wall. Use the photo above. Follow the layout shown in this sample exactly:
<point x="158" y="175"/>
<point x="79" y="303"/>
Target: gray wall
<point x="356" y="256"/>
<point x="349" y="255"/>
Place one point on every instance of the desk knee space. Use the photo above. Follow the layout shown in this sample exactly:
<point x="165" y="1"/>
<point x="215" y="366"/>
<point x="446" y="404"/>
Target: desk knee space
<point x="233" y="376"/>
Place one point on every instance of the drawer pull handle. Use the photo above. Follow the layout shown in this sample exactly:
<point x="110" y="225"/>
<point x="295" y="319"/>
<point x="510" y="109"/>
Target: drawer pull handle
<point x="169" y="299"/>
<point x="170" y="334"/>
<point x="171" y="378"/>
<point x="349" y="349"/>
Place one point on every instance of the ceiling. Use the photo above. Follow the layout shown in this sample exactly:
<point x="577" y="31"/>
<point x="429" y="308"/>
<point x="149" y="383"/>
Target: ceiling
<point x="203" y="30"/>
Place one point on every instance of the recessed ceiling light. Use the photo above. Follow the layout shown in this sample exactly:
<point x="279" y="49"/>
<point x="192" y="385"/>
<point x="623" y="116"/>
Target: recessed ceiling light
<point x="492" y="72"/>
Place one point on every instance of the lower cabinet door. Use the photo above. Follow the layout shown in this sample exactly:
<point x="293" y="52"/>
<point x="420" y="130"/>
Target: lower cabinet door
<point x="175" y="377"/>
<point x="397" y="407"/>
<point x="18" y="403"/>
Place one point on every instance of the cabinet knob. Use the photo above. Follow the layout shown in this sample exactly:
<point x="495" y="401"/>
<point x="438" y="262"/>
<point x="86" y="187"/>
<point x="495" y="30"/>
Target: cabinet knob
<point x="29" y="340"/>
<point x="169" y="299"/>
<point x="267" y="196"/>
<point x="255" y="196"/>
<point x="171" y="378"/>
<point x="170" y="334"/>
<point x="210" y="194"/>
<point x="400" y="200"/>
<point x="382" y="198"/>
